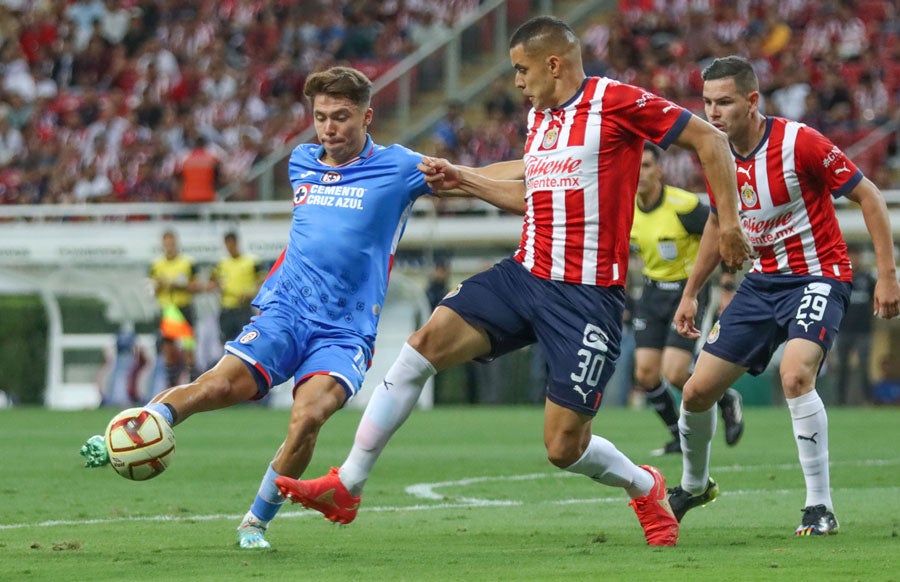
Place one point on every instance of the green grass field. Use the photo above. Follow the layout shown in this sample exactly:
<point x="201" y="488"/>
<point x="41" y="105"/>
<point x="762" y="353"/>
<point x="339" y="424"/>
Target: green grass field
<point x="461" y="494"/>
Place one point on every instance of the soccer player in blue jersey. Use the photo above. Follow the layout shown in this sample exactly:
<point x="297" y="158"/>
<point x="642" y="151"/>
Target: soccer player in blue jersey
<point x="321" y="302"/>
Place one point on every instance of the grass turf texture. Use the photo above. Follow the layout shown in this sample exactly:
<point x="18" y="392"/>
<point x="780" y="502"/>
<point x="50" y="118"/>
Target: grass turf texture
<point x="499" y="511"/>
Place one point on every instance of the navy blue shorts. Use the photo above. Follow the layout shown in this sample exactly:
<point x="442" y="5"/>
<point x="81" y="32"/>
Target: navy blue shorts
<point x="768" y="310"/>
<point x="579" y="327"/>
<point x="654" y="312"/>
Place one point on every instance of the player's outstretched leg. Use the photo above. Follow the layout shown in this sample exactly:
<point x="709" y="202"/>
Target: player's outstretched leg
<point x="731" y="405"/>
<point x="682" y="501"/>
<point x="817" y="521"/>
<point x="327" y="495"/>
<point x="653" y="511"/>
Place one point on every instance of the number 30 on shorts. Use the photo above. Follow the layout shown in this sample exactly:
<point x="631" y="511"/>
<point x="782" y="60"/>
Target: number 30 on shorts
<point x="591" y="361"/>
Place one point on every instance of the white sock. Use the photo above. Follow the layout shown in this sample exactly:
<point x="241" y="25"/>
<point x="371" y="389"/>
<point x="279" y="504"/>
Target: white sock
<point x="605" y="464"/>
<point x="388" y="408"/>
<point x="810" y="424"/>
<point x="697" y="430"/>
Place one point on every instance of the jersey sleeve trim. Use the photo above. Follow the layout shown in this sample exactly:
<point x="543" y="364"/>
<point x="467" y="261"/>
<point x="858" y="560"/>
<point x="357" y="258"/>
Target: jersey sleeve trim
<point x="849" y="185"/>
<point x="695" y="220"/>
<point x="676" y="129"/>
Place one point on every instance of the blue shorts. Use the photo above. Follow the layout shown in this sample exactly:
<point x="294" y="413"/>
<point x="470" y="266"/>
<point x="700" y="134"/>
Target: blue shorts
<point x="768" y="310"/>
<point x="278" y="345"/>
<point x="579" y="327"/>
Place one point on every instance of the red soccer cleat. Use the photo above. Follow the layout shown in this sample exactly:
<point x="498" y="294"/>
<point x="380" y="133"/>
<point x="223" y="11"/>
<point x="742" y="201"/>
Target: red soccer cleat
<point x="655" y="514"/>
<point x="327" y="495"/>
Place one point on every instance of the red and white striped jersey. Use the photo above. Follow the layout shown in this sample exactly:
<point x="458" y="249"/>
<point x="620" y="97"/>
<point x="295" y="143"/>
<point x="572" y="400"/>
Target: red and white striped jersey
<point x="786" y="187"/>
<point x="582" y="161"/>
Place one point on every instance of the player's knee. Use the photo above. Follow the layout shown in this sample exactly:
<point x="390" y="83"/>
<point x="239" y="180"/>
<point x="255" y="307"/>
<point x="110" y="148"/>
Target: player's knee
<point x="796" y="382"/>
<point x="646" y="377"/>
<point x="421" y="340"/>
<point x="563" y="450"/>
<point x="695" y="398"/>
<point x="307" y="420"/>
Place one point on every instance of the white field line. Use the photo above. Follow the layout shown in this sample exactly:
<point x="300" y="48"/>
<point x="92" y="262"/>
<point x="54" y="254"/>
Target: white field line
<point x="427" y="491"/>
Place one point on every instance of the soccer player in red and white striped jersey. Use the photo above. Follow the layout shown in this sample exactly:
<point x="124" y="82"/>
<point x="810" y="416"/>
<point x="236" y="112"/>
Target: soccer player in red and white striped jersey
<point x="797" y="290"/>
<point x="564" y="286"/>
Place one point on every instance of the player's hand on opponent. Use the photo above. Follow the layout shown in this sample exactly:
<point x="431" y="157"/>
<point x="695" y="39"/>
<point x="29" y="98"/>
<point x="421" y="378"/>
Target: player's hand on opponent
<point x="440" y="174"/>
<point x="734" y="246"/>
<point x="887" y="297"/>
<point x="684" y="318"/>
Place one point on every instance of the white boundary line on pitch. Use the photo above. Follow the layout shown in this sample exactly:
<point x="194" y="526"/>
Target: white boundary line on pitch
<point x="426" y="491"/>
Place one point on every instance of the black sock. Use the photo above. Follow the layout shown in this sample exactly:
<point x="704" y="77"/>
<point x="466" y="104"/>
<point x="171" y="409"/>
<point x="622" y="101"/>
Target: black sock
<point x="664" y="404"/>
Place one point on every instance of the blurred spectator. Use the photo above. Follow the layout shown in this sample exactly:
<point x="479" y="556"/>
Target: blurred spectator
<point x="115" y="21"/>
<point x="92" y="186"/>
<point x="870" y="99"/>
<point x="790" y="97"/>
<point x="834" y="99"/>
<point x="12" y="144"/>
<point x="447" y="129"/>
<point x="199" y="174"/>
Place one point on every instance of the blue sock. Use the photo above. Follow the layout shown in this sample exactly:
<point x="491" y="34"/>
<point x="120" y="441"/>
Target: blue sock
<point x="268" y="500"/>
<point x="164" y="409"/>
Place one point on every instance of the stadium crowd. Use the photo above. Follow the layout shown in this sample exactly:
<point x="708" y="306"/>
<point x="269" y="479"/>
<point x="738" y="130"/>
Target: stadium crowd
<point x="101" y="100"/>
<point x="832" y="64"/>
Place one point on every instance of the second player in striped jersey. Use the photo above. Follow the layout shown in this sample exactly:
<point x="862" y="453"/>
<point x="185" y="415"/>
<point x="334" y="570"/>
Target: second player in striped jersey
<point x="797" y="290"/>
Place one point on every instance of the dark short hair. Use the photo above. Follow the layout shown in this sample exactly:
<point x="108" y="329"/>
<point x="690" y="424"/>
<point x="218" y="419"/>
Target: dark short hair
<point x="340" y="82"/>
<point x="544" y="32"/>
<point x="654" y="149"/>
<point x="738" y="68"/>
<point x="230" y="236"/>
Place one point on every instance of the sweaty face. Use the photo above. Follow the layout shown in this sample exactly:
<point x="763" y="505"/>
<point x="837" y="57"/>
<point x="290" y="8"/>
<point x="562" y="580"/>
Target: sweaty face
<point x="533" y="78"/>
<point x="726" y="108"/>
<point x="341" y="127"/>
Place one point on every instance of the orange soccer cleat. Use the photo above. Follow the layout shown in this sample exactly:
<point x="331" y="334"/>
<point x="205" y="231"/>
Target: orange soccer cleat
<point x="655" y="514"/>
<point x="327" y="495"/>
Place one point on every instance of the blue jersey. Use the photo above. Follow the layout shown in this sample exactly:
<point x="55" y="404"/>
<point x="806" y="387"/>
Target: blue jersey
<point x="347" y="222"/>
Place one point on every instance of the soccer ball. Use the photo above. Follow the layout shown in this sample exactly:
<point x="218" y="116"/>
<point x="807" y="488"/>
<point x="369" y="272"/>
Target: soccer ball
<point x="140" y="443"/>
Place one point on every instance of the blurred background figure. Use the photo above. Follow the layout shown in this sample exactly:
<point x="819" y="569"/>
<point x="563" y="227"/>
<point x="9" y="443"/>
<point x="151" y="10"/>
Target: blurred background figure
<point x="199" y="174"/>
<point x="174" y="278"/>
<point x="237" y="278"/>
<point x="854" y="340"/>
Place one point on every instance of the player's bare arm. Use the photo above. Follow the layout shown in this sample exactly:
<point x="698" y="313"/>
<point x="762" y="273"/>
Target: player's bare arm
<point x="707" y="259"/>
<point x="877" y="218"/>
<point x="711" y="146"/>
<point x="504" y="193"/>
<point x="508" y="170"/>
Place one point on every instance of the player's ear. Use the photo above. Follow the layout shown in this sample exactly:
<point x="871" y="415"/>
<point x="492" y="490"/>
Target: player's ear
<point x="369" y="115"/>
<point x="554" y="65"/>
<point x="753" y="101"/>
